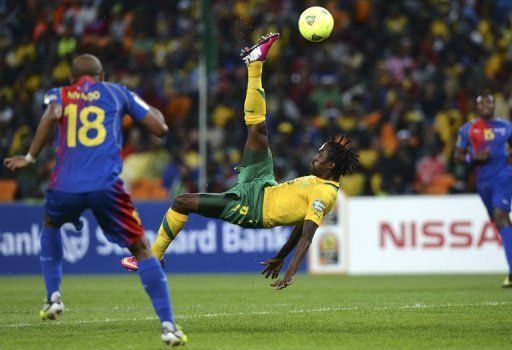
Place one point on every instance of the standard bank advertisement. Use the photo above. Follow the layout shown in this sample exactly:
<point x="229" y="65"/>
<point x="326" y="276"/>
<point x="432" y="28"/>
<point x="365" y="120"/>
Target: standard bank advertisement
<point x="205" y="245"/>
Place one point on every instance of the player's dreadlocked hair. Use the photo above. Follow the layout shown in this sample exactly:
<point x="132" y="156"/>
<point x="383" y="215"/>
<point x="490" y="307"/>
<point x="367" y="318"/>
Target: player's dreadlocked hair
<point x="345" y="157"/>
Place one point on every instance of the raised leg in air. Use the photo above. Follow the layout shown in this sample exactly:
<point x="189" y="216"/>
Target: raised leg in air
<point x="255" y="109"/>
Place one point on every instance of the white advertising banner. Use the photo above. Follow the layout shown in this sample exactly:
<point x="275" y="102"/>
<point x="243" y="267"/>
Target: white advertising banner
<point x="411" y="234"/>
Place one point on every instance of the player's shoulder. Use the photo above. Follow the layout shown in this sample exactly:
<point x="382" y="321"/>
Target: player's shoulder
<point x="504" y="121"/>
<point x="116" y="88"/>
<point x="329" y="187"/>
<point x="467" y="125"/>
<point x="120" y="90"/>
<point x="53" y="95"/>
<point x="300" y="179"/>
<point x="113" y="84"/>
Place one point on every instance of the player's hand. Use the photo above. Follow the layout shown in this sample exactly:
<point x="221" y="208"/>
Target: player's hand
<point x="481" y="156"/>
<point x="285" y="282"/>
<point x="16" y="163"/>
<point x="272" y="267"/>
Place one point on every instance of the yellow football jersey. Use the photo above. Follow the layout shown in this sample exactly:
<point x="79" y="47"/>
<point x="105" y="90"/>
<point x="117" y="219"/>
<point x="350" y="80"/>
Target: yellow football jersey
<point x="304" y="198"/>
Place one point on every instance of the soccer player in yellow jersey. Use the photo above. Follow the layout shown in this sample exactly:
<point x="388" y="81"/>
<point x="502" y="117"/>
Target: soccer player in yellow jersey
<point x="257" y="200"/>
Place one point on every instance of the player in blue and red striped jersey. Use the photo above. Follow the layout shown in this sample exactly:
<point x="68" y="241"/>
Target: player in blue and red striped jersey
<point x="87" y="119"/>
<point x="484" y="143"/>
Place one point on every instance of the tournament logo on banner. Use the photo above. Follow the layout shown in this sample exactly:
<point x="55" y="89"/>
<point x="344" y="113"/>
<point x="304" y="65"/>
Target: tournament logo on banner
<point x="328" y="249"/>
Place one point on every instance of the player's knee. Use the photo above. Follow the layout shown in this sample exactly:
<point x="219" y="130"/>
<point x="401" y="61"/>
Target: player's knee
<point x="501" y="218"/>
<point x="258" y="138"/>
<point x="501" y="223"/>
<point x="48" y="222"/>
<point x="181" y="203"/>
<point x="259" y="131"/>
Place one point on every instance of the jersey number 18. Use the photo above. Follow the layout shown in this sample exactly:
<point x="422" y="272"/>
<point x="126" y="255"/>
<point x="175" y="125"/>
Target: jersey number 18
<point x="88" y="123"/>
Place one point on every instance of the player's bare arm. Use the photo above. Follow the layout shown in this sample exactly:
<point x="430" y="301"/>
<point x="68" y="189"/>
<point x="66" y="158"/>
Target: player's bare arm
<point x="274" y="265"/>
<point x="462" y="156"/>
<point x="44" y="131"/>
<point x="154" y="122"/>
<point x="308" y="231"/>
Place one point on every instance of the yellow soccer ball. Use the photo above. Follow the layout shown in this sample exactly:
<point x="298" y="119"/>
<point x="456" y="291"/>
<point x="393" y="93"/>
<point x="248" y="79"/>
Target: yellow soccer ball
<point x="315" y="24"/>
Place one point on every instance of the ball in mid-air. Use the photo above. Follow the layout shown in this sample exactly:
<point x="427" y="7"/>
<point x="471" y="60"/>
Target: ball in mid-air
<point x="316" y="23"/>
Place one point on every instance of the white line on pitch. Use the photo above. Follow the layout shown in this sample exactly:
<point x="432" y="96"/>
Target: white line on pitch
<point x="267" y="312"/>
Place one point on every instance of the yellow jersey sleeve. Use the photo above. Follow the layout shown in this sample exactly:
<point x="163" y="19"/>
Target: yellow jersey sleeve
<point x="320" y="201"/>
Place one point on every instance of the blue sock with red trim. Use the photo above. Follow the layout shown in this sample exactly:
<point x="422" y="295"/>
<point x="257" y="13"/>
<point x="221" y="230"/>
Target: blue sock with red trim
<point x="51" y="259"/>
<point x="155" y="283"/>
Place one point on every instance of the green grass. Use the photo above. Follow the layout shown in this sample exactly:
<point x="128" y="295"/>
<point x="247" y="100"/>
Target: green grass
<point x="243" y="312"/>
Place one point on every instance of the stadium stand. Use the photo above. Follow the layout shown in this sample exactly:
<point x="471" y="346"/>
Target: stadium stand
<point x="400" y="77"/>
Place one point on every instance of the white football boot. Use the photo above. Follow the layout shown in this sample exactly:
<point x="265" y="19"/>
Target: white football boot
<point x="173" y="335"/>
<point x="52" y="308"/>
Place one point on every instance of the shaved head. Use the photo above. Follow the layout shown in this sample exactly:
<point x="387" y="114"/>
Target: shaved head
<point x="86" y="64"/>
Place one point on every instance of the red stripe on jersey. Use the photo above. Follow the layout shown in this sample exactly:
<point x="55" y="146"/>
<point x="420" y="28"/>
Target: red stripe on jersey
<point x="134" y="230"/>
<point x="476" y="134"/>
<point x="61" y="142"/>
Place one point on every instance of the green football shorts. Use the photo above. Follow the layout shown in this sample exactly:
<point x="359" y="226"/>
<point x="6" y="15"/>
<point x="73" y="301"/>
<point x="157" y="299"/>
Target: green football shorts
<point x="245" y="207"/>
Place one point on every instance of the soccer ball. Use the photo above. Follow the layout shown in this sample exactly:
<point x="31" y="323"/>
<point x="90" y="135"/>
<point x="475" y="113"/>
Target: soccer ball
<point x="315" y="24"/>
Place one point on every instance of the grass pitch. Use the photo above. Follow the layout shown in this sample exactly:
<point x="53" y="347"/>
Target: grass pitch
<point x="243" y="312"/>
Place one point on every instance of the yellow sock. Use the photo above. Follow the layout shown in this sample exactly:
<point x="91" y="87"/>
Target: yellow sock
<point x="255" y="107"/>
<point x="171" y="225"/>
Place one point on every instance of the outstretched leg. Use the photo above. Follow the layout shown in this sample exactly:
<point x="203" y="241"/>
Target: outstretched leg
<point x="255" y="108"/>
<point x="205" y="204"/>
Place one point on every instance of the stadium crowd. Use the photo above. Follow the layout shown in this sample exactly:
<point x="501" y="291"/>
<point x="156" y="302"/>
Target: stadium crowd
<point x="399" y="77"/>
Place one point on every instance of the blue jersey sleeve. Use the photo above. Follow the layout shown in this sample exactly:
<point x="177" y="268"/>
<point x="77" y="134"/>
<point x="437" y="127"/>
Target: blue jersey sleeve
<point x="509" y="133"/>
<point x="52" y="96"/>
<point x="463" y="136"/>
<point x="136" y="107"/>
